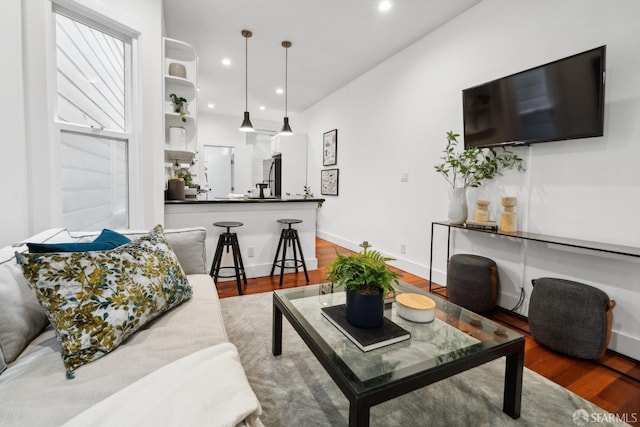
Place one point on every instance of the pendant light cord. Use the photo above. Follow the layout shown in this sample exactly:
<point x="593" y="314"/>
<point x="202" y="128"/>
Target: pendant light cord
<point x="246" y="73"/>
<point x="286" y="80"/>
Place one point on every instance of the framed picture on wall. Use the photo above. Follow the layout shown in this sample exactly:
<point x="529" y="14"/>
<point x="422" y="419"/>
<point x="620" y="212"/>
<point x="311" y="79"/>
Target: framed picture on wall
<point x="330" y="148"/>
<point x="329" y="180"/>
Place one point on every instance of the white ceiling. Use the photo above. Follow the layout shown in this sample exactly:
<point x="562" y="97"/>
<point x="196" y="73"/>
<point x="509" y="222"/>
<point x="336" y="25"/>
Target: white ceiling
<point x="333" y="42"/>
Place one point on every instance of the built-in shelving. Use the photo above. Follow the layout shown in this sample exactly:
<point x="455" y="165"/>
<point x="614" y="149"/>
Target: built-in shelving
<point x="181" y="156"/>
<point x="176" y="51"/>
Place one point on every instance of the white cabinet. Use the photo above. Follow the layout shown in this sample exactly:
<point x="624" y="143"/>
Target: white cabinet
<point x="180" y="145"/>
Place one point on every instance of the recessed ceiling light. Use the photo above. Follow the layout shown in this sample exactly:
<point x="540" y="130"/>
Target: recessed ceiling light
<point x="279" y="91"/>
<point x="198" y="88"/>
<point x="383" y="6"/>
<point x="262" y="107"/>
<point x="210" y="105"/>
<point x="226" y="61"/>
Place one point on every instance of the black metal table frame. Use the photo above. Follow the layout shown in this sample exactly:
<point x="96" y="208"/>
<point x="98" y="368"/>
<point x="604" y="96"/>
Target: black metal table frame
<point x="535" y="237"/>
<point x="361" y="403"/>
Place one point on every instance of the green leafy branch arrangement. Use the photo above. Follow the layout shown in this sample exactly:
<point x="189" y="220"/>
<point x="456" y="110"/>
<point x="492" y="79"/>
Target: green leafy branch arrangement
<point x="178" y="102"/>
<point x="473" y="165"/>
<point x="365" y="272"/>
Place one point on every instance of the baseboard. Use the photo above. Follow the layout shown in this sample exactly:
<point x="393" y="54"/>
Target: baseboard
<point x="624" y="344"/>
<point x="417" y="269"/>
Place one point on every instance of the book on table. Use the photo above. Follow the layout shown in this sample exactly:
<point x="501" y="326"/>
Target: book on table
<point x="366" y="339"/>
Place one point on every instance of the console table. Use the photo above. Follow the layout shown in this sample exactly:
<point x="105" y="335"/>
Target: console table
<point x="543" y="238"/>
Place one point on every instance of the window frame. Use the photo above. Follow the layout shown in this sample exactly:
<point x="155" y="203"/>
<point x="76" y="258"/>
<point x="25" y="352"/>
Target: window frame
<point x="131" y="102"/>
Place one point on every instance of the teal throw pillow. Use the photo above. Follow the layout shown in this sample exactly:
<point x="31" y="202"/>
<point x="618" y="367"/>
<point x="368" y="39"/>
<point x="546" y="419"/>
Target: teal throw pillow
<point x="108" y="239"/>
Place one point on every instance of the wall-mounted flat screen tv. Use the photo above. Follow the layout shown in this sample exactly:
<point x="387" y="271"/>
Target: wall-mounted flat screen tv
<point x="560" y="100"/>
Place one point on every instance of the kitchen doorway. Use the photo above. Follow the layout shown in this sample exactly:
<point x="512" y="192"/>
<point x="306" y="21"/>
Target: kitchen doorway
<point x="218" y="171"/>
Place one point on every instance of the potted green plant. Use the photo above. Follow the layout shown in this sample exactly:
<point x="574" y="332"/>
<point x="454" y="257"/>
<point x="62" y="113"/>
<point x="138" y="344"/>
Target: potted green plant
<point x="179" y="105"/>
<point x="367" y="280"/>
<point x="470" y="168"/>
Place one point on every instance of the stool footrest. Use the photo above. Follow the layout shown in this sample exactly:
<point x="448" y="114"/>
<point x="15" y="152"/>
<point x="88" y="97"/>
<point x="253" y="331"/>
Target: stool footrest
<point x="220" y="276"/>
<point x="281" y="263"/>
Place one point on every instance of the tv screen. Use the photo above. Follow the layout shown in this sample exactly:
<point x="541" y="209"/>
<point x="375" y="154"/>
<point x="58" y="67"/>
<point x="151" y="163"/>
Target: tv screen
<point x="560" y="100"/>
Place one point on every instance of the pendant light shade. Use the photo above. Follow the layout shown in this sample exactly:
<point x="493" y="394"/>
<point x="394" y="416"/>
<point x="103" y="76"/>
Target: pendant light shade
<point x="286" y="129"/>
<point x="246" y="125"/>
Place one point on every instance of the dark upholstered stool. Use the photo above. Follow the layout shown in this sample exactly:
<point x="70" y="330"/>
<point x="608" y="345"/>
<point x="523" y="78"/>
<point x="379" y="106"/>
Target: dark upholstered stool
<point x="228" y="240"/>
<point x="289" y="237"/>
<point x="570" y="317"/>
<point x="472" y="282"/>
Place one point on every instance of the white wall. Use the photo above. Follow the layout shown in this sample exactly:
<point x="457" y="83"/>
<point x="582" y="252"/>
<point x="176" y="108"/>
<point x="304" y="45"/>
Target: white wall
<point x="393" y="119"/>
<point x="34" y="204"/>
<point x="14" y="213"/>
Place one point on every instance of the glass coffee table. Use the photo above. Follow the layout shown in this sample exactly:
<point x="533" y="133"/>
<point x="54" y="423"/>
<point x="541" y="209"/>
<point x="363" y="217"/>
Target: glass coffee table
<point x="455" y="341"/>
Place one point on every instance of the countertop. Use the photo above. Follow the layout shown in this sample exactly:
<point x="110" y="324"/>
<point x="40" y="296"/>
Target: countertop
<point x="194" y="201"/>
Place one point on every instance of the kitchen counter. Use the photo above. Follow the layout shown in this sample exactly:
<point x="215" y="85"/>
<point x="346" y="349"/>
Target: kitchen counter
<point x="194" y="201"/>
<point x="258" y="237"/>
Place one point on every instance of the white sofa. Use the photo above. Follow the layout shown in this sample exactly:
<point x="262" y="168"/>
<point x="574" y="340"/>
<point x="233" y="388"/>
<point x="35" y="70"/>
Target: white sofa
<point x="179" y="369"/>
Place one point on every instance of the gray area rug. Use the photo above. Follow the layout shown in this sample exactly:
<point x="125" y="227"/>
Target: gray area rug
<point x="295" y="390"/>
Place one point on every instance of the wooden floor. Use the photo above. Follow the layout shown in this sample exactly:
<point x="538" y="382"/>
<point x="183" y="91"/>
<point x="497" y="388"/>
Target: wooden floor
<point x="612" y="383"/>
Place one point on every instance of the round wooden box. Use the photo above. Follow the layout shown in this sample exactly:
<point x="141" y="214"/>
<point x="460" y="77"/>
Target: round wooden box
<point x="415" y="307"/>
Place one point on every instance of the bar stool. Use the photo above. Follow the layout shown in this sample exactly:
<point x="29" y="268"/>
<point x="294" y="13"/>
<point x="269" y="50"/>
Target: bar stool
<point x="289" y="237"/>
<point x="228" y="240"/>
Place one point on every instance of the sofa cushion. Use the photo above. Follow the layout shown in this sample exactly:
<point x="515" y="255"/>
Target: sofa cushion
<point x="187" y="243"/>
<point x="108" y="239"/>
<point x="95" y="300"/>
<point x="21" y="317"/>
<point x="35" y="392"/>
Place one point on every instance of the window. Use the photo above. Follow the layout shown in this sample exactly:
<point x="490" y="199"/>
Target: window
<point x="92" y="115"/>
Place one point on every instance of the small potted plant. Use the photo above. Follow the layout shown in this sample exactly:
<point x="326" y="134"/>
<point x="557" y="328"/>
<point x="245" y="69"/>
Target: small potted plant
<point x="367" y="280"/>
<point x="179" y="105"/>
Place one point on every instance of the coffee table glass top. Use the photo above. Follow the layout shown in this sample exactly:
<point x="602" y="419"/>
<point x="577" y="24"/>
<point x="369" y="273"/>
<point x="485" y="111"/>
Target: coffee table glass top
<point x="454" y="334"/>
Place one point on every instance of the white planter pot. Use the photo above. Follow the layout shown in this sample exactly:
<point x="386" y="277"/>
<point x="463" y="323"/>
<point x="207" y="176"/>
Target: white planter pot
<point x="177" y="137"/>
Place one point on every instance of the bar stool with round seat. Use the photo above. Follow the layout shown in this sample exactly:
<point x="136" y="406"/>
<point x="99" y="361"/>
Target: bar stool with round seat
<point x="289" y="237"/>
<point x="228" y="240"/>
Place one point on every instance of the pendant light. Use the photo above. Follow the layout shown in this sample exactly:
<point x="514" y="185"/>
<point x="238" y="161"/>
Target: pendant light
<point x="246" y="125"/>
<point x="286" y="129"/>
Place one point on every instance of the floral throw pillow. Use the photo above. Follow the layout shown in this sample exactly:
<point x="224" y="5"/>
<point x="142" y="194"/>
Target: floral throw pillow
<point x="95" y="300"/>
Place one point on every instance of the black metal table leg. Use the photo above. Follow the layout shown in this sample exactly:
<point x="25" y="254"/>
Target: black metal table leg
<point x="512" y="398"/>
<point x="276" y="331"/>
<point x="358" y="414"/>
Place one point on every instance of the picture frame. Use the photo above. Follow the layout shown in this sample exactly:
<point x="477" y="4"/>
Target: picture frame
<point x="330" y="148"/>
<point x="329" y="182"/>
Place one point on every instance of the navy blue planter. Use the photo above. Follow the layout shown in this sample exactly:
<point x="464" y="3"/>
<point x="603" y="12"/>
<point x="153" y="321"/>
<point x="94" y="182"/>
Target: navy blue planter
<point x="365" y="311"/>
